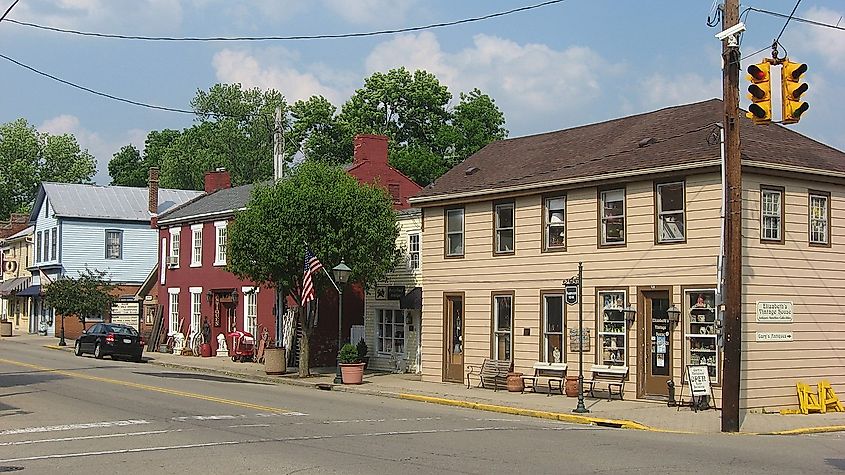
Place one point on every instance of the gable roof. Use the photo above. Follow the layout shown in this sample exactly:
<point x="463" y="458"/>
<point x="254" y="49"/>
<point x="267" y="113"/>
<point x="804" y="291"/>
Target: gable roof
<point x="220" y="203"/>
<point x="122" y="203"/>
<point x="670" y="138"/>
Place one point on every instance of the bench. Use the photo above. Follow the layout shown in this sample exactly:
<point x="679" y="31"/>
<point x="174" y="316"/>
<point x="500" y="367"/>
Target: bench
<point x="612" y="376"/>
<point x="491" y="373"/>
<point x="551" y="373"/>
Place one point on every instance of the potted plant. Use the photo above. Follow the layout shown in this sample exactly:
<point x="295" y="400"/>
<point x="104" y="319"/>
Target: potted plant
<point x="351" y="368"/>
<point x="362" y="352"/>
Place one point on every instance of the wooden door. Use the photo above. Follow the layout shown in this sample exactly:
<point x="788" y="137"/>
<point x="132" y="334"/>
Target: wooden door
<point x="453" y="338"/>
<point x="656" y="358"/>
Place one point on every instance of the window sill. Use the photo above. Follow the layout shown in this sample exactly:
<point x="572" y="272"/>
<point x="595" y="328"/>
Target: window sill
<point x="219" y="264"/>
<point x="196" y="265"/>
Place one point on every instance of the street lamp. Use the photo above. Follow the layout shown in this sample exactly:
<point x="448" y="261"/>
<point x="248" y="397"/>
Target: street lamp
<point x="62" y="335"/>
<point x="674" y="314"/>
<point x="341" y="273"/>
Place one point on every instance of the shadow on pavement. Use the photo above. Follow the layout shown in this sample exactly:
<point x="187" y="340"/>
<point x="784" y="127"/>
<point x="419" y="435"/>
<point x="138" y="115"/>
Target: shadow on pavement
<point x="203" y="377"/>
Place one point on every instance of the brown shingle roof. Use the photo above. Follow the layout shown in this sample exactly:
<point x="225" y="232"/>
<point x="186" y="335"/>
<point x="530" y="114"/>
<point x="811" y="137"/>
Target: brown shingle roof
<point x="674" y="136"/>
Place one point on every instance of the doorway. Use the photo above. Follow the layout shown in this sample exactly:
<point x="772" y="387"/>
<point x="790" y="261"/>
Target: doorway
<point x="655" y="355"/>
<point x="453" y="338"/>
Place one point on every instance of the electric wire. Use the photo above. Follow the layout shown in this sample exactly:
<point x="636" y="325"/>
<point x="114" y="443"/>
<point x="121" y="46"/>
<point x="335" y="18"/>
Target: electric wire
<point x="795" y="18"/>
<point x="293" y="37"/>
<point x="8" y="10"/>
<point x="787" y="20"/>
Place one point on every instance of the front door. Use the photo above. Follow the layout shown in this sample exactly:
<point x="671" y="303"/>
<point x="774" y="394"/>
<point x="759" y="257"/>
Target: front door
<point x="656" y="358"/>
<point x="453" y="339"/>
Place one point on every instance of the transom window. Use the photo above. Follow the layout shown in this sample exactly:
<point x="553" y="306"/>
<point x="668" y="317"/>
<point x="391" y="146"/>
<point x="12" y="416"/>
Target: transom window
<point x="455" y="232"/>
<point x="504" y="228"/>
<point x="819" y="218"/>
<point x="613" y="217"/>
<point x="114" y="244"/>
<point x="414" y="251"/>
<point x="555" y="220"/>
<point x="196" y="246"/>
<point x="502" y="326"/>
<point x="220" y="243"/>
<point x="670" y="212"/>
<point x="553" y="328"/>
<point x="771" y="215"/>
<point x="390" y="338"/>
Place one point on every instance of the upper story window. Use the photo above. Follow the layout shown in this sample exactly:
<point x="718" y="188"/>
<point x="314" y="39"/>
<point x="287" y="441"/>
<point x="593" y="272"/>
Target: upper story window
<point x="771" y="214"/>
<point x="175" y="238"/>
<point x="819" y="218"/>
<point x="455" y="232"/>
<point x="504" y="217"/>
<point x="670" y="212"/>
<point x="45" y="252"/>
<point x="54" y="239"/>
<point x="196" y="245"/>
<point x="114" y="244"/>
<point x="554" y="217"/>
<point x="220" y="243"/>
<point x="39" y="245"/>
<point x="414" y="251"/>
<point x="612" y="217"/>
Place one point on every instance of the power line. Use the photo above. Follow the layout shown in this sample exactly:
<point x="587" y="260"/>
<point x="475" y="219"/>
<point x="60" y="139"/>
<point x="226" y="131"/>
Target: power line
<point x="292" y="37"/>
<point x="787" y="20"/>
<point x="8" y="10"/>
<point x="795" y="18"/>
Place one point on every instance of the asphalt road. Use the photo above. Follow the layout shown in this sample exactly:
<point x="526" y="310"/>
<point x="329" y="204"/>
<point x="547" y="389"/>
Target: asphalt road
<point x="60" y="413"/>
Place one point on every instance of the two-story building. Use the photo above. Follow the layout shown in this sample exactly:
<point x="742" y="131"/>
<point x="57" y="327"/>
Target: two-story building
<point x="15" y="258"/>
<point x="104" y="228"/>
<point x="639" y="201"/>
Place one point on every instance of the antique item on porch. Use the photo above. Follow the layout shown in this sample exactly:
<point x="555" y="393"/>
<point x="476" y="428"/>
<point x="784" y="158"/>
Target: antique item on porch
<point x="222" y="349"/>
<point x="243" y="346"/>
<point x="514" y="382"/>
<point x="556" y="355"/>
<point x="205" y="346"/>
<point x="263" y="343"/>
<point x="351" y="368"/>
<point x="700" y="301"/>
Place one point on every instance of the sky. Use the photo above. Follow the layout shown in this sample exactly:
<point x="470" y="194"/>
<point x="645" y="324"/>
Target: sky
<point x="559" y="66"/>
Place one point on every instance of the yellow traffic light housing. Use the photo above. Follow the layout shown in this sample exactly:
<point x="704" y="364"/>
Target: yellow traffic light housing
<point x="760" y="93"/>
<point x="791" y="91"/>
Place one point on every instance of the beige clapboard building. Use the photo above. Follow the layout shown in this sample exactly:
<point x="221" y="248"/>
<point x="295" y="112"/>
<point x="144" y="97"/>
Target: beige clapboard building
<point x="638" y="200"/>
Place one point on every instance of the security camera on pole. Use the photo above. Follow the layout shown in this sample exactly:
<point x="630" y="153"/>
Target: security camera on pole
<point x="572" y="295"/>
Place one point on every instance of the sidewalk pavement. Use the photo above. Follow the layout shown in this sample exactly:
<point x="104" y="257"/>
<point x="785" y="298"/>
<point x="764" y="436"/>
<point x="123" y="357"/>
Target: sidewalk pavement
<point x="633" y="414"/>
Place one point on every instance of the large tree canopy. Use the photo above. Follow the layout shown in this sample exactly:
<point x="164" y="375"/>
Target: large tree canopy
<point x="29" y="157"/>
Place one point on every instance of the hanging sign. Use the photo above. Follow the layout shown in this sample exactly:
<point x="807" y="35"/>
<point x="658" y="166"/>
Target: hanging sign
<point x="571" y="294"/>
<point x="699" y="380"/>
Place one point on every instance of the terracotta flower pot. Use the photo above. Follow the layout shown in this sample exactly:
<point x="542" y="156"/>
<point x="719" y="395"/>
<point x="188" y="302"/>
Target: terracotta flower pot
<point x="352" y="373"/>
<point x="515" y="384"/>
<point x="571" y="387"/>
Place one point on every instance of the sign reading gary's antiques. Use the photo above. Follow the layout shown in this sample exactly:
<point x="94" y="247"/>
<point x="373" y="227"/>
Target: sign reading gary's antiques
<point x="774" y="312"/>
<point x="773" y="336"/>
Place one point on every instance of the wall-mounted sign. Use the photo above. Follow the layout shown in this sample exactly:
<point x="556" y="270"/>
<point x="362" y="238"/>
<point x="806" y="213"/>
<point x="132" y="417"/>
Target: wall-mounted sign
<point x="395" y="292"/>
<point x="381" y="292"/>
<point x="571" y="294"/>
<point x="573" y="340"/>
<point x="773" y="336"/>
<point x="774" y="312"/>
<point x="699" y="380"/>
<point x="126" y="308"/>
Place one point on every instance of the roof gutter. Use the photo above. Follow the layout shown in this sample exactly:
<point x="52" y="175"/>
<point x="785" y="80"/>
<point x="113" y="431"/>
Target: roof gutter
<point x="193" y="217"/>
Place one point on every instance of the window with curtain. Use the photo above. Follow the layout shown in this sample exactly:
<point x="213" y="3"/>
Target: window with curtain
<point x="613" y="217"/>
<point x="555" y="219"/>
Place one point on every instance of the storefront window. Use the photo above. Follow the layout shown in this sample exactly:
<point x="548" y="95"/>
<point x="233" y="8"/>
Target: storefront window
<point x="391" y="331"/>
<point x="701" y="338"/>
<point x="553" y="328"/>
<point x="613" y="330"/>
<point x="503" y="326"/>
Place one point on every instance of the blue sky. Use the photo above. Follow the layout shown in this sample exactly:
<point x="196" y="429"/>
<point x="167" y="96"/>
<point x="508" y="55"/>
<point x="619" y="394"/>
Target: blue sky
<point x="559" y="66"/>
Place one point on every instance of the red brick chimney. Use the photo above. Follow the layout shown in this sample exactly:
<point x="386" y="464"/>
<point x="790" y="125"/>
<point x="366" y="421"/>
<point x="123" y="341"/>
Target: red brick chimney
<point x="152" y="187"/>
<point x="217" y="180"/>
<point x="371" y="148"/>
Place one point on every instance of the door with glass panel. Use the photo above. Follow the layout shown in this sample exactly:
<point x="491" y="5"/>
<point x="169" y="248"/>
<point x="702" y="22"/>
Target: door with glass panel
<point x="658" y="343"/>
<point x="553" y="328"/>
<point x="453" y="338"/>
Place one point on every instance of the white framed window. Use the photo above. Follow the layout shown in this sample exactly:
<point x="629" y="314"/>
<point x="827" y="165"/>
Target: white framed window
<point x="251" y="309"/>
<point x="819" y="218"/>
<point x="196" y="309"/>
<point x="613" y="217"/>
<point x="173" y="310"/>
<point x="220" y="243"/>
<point x="771" y="214"/>
<point x="114" y="244"/>
<point x="414" y="258"/>
<point x="175" y="240"/>
<point x="455" y="232"/>
<point x="670" y="212"/>
<point x="553" y="328"/>
<point x="390" y="331"/>
<point x="196" y="245"/>
<point x="554" y="223"/>
<point x="502" y="326"/>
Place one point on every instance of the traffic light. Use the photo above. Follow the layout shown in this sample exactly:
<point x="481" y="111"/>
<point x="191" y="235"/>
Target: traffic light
<point x="792" y="89"/>
<point x="760" y="93"/>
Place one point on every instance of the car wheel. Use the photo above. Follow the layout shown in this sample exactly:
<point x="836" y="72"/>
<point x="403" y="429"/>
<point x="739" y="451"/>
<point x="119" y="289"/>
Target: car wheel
<point x="98" y="352"/>
<point x="77" y="348"/>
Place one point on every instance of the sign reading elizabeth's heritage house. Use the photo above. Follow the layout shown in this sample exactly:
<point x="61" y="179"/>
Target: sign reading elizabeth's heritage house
<point x="773" y="336"/>
<point x="126" y="313"/>
<point x="774" y="312"/>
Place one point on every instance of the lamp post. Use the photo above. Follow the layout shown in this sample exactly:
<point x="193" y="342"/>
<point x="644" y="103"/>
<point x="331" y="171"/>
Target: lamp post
<point x="580" y="408"/>
<point x="341" y="273"/>
<point x="62" y="334"/>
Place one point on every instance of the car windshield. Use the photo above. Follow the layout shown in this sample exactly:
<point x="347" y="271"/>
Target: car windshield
<point x="122" y="330"/>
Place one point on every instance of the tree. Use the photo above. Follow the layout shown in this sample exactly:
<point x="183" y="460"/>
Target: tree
<point x="477" y="121"/>
<point x="329" y="210"/>
<point x="88" y="295"/>
<point x="126" y="168"/>
<point x="317" y="133"/>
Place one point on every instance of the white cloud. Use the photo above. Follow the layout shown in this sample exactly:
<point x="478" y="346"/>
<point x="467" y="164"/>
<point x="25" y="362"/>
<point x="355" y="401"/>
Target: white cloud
<point x="825" y="43"/>
<point x="134" y="16"/>
<point x="659" y="90"/>
<point x="372" y="12"/>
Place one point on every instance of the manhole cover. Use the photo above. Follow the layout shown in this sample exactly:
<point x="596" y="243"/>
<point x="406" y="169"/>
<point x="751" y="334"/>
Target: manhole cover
<point x="9" y="468"/>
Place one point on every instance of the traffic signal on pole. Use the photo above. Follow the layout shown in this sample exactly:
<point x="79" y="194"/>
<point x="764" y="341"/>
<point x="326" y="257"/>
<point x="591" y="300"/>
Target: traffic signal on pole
<point x="760" y="93"/>
<point x="792" y="89"/>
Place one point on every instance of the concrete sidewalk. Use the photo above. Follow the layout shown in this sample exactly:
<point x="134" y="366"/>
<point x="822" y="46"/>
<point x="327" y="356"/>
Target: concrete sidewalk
<point x="635" y="414"/>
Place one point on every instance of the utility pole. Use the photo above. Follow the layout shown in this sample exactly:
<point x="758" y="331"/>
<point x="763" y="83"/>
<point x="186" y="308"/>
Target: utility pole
<point x="732" y="324"/>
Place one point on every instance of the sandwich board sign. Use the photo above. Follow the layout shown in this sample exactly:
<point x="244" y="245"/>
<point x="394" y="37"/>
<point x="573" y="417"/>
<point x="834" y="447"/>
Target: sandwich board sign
<point x="699" y="380"/>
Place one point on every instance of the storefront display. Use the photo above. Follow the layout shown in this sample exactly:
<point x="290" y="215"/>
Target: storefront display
<point x="701" y="338"/>
<point x="613" y="330"/>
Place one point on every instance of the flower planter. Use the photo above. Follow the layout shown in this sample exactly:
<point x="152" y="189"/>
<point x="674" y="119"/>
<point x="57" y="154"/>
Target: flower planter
<point x="352" y="373"/>
<point x="5" y="328"/>
<point x="571" y="387"/>
<point x="515" y="384"/>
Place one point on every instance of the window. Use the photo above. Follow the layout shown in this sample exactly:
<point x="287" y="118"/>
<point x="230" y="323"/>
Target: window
<point x="504" y="228"/>
<point x="38" y="244"/>
<point x="612" y="217"/>
<point x="414" y="251"/>
<point x="771" y="215"/>
<point x="819" y="218"/>
<point x="54" y="238"/>
<point x="670" y="212"/>
<point x="251" y="310"/>
<point x="554" y="217"/>
<point x="46" y="251"/>
<point x="502" y="326"/>
<point x="174" y="246"/>
<point x="196" y="309"/>
<point x="196" y="245"/>
<point x="553" y="328"/>
<point x="455" y="232"/>
<point x="114" y="244"/>
<point x="173" y="313"/>
<point x="220" y="243"/>
<point x="390" y="337"/>
<point x="46" y="208"/>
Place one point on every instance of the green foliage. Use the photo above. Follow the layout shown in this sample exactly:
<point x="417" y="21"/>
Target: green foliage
<point x="362" y="349"/>
<point x="85" y="296"/>
<point x="126" y="168"/>
<point x="348" y="354"/>
<point x="318" y="133"/>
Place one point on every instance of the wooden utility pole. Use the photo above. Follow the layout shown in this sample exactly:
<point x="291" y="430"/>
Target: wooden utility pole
<point x="732" y="323"/>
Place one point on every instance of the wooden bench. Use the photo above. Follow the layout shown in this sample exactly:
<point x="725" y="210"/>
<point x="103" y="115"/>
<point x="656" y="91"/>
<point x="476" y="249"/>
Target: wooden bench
<point x="552" y="374"/>
<point x="612" y="376"/>
<point x="491" y="373"/>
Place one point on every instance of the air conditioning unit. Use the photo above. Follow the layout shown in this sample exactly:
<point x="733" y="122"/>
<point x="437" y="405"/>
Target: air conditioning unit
<point x="173" y="261"/>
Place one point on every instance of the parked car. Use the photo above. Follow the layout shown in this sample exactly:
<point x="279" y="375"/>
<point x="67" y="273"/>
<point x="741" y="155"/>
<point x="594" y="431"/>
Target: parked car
<point x="110" y="339"/>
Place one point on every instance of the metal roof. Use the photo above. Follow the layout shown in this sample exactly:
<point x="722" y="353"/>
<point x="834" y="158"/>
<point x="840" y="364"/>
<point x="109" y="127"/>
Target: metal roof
<point x="221" y="202"/>
<point x="107" y="202"/>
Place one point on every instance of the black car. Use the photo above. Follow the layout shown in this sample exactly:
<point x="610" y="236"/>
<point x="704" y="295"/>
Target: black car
<point x="110" y="339"/>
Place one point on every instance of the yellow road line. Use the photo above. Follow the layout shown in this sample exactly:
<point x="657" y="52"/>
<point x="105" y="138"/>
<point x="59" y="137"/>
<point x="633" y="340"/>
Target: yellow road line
<point x="146" y="387"/>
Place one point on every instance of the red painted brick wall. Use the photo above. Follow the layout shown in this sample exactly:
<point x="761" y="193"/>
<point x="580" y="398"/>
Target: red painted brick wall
<point x="370" y="165"/>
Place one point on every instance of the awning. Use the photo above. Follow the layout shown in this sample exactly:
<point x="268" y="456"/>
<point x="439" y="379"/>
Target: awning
<point x="31" y="291"/>
<point x="412" y="300"/>
<point x="12" y="286"/>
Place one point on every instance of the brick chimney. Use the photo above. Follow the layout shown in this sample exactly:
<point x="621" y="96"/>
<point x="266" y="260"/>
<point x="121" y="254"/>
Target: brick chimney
<point x="372" y="148"/>
<point x="217" y="180"/>
<point x="152" y="187"/>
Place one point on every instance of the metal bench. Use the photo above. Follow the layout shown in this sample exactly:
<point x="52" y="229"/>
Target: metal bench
<point x="491" y="373"/>
<point x="612" y="376"/>
<point x="552" y="373"/>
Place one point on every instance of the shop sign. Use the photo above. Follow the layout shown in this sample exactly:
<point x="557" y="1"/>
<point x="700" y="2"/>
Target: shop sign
<point x="395" y="292"/>
<point x="773" y="336"/>
<point x="699" y="380"/>
<point x="774" y="312"/>
<point x="573" y="340"/>
<point x="126" y="308"/>
<point x="381" y="292"/>
<point x="129" y="320"/>
<point x="571" y="294"/>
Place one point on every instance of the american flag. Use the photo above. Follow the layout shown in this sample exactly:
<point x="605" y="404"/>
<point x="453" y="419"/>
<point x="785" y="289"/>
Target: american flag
<point x="312" y="266"/>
